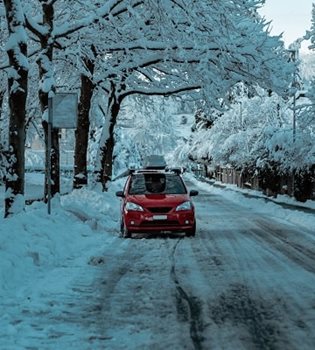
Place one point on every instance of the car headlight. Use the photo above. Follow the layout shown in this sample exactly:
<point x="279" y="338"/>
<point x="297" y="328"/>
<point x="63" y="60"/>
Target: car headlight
<point x="133" y="206"/>
<point x="184" y="206"/>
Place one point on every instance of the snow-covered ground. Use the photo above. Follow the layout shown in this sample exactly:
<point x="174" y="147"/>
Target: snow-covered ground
<point x="49" y="263"/>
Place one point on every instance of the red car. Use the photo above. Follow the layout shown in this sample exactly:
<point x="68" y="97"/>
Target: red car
<point x="156" y="201"/>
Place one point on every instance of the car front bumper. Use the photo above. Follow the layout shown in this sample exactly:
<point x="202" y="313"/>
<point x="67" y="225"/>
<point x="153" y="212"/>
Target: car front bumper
<point x="148" y="222"/>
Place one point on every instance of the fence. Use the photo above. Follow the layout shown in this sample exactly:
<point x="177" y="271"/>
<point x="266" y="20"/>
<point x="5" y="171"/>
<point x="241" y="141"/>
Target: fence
<point x="269" y="183"/>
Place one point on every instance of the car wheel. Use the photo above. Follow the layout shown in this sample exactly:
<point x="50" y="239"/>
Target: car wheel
<point x="123" y="230"/>
<point x="191" y="232"/>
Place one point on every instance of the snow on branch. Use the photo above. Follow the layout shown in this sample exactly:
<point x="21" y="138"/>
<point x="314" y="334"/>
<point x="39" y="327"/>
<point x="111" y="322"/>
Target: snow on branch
<point x="103" y="12"/>
<point x="161" y="92"/>
<point x="16" y="45"/>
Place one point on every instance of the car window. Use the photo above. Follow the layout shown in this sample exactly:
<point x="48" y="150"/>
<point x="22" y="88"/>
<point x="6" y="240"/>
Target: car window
<point x="156" y="183"/>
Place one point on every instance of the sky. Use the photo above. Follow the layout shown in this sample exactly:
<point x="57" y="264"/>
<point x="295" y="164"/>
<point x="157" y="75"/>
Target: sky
<point x="292" y="17"/>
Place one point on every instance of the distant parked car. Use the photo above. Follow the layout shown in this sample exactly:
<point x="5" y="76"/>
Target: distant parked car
<point x="155" y="199"/>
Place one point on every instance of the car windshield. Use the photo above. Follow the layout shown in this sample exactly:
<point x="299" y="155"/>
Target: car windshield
<point x="156" y="183"/>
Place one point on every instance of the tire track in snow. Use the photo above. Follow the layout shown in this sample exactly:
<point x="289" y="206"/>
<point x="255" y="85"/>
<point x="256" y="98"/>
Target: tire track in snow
<point x="189" y="308"/>
<point x="282" y="239"/>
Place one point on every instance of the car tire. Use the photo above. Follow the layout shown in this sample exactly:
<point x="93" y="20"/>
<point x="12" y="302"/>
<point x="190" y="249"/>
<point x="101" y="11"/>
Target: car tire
<point x="191" y="232"/>
<point x="123" y="230"/>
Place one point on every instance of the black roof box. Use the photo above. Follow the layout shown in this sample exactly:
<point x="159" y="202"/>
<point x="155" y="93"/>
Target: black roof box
<point x="154" y="161"/>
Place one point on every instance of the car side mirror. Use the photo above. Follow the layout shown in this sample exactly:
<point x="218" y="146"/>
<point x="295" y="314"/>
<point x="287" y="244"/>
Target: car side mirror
<point x="120" y="194"/>
<point x="193" y="193"/>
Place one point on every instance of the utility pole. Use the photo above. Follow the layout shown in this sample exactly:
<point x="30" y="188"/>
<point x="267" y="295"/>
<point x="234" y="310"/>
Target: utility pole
<point x="295" y="89"/>
<point x="294" y="55"/>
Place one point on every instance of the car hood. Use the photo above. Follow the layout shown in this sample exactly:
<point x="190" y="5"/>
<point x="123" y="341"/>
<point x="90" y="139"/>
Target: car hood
<point x="164" y="200"/>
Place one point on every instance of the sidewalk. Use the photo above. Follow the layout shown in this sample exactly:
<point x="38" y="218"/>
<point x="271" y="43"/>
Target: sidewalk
<point x="34" y="187"/>
<point x="285" y="202"/>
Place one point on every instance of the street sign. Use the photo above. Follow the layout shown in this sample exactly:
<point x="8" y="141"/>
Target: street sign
<point x="62" y="114"/>
<point x="65" y="110"/>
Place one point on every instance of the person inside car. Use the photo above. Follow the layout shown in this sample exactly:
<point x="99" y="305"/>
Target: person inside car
<point x="156" y="184"/>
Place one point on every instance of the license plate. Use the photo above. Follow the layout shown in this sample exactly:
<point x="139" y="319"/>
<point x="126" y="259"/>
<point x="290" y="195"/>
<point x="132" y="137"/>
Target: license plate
<point x="159" y="217"/>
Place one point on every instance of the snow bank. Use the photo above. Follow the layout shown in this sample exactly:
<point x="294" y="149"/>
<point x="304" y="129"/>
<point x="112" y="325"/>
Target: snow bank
<point x="34" y="242"/>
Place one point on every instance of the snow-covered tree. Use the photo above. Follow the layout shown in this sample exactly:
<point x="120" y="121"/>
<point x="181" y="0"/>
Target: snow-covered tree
<point x="159" y="48"/>
<point x="16" y="48"/>
<point x="124" y="48"/>
<point x="211" y="53"/>
<point x="146" y="127"/>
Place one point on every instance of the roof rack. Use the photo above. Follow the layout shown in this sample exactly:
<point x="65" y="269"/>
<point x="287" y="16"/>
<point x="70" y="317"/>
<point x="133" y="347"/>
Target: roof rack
<point x="155" y="170"/>
<point x="154" y="163"/>
<point x="177" y="170"/>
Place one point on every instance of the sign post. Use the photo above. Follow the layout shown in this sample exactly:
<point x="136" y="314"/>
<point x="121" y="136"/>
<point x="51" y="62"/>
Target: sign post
<point x="62" y="114"/>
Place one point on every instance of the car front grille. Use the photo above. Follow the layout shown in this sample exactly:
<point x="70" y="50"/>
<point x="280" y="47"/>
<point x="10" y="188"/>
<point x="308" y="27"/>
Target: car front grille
<point x="160" y="223"/>
<point x="161" y="210"/>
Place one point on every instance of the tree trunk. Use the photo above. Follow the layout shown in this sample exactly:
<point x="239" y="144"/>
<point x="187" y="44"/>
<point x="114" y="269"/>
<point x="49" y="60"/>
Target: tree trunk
<point x="46" y="74"/>
<point x="106" y="151"/>
<point x="2" y="93"/>
<point x="82" y="132"/>
<point x="54" y="152"/>
<point x="17" y="87"/>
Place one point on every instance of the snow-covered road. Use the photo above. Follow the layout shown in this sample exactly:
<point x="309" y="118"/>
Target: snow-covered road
<point x="246" y="281"/>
